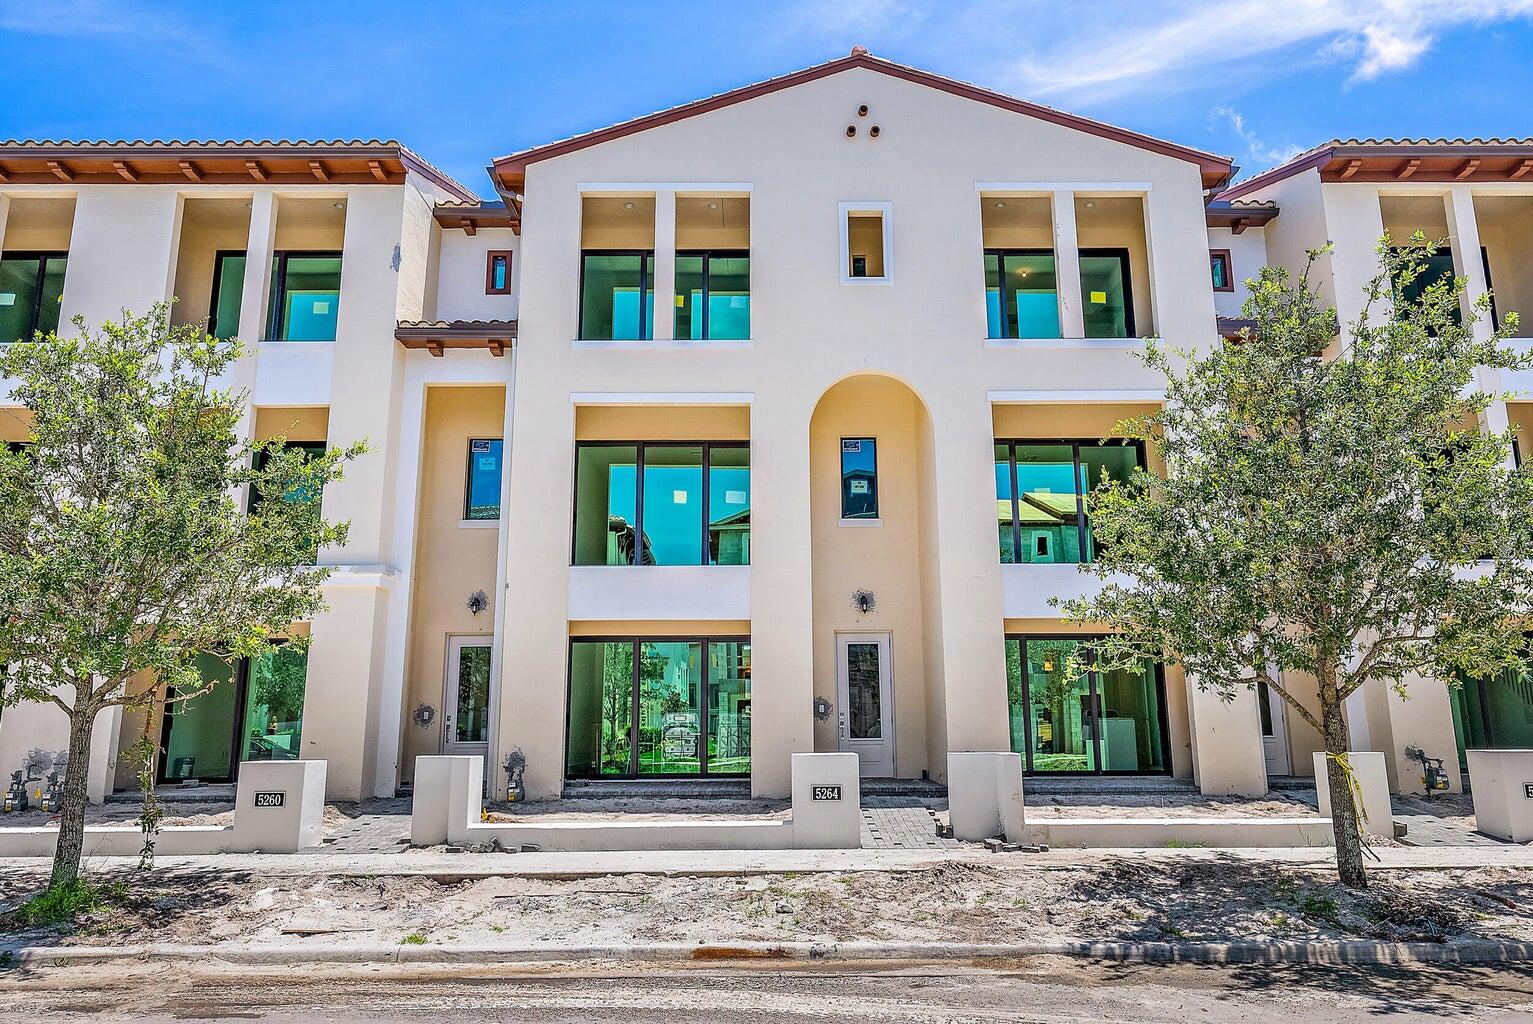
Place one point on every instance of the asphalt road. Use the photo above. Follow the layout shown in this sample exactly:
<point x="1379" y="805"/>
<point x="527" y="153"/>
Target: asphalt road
<point x="1045" y="989"/>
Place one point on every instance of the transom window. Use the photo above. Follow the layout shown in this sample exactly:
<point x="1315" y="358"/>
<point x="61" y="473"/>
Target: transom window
<point x="666" y="503"/>
<point x="1042" y="495"/>
<point x="31" y="289"/>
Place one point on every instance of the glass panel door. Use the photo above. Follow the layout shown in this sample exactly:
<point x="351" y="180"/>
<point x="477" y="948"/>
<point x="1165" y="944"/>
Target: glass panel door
<point x="1059" y="721"/>
<point x="1130" y="724"/>
<point x="274" y="705"/>
<point x="670" y="708"/>
<point x="468" y="695"/>
<point x="598" y="739"/>
<point x="198" y="739"/>
<point x="865" y="718"/>
<point x="729" y="708"/>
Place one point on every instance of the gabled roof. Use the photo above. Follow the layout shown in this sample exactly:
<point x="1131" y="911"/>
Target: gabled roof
<point x="509" y="172"/>
<point x="1404" y="160"/>
<point x="160" y="161"/>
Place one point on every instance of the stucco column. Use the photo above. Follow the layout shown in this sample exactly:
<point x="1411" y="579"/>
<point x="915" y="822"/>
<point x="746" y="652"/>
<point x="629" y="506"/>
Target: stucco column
<point x="665" y="266"/>
<point x="1356" y="223"/>
<point x="1464" y="236"/>
<point x="1228" y="758"/>
<point x="346" y="657"/>
<point x="1067" y="266"/>
<point x="122" y="252"/>
<point x="5" y="212"/>
<point x="253" y="296"/>
<point x="961" y="579"/>
<point x="1422" y="718"/>
<point x="782" y="596"/>
<point x="534" y="606"/>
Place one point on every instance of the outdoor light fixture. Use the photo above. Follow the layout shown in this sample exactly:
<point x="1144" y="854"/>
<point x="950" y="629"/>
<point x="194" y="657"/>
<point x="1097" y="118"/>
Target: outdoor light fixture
<point x="424" y="715"/>
<point x="628" y="206"/>
<point x="864" y="601"/>
<point x="478" y="601"/>
<point x="821" y="709"/>
<point x="713" y="206"/>
<point x="1000" y="205"/>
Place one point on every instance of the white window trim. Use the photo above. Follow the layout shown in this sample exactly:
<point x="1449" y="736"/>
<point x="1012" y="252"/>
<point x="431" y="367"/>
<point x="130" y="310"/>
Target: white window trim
<point x="843" y="210"/>
<point x="479" y="524"/>
<point x="860" y="522"/>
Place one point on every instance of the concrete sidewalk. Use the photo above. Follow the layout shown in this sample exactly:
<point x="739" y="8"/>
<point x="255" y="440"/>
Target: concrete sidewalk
<point x="443" y="864"/>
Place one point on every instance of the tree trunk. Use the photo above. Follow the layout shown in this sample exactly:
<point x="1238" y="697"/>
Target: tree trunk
<point x="66" y="855"/>
<point x="1344" y="824"/>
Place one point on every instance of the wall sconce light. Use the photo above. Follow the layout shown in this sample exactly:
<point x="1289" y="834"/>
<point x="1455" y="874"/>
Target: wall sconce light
<point x="424" y="715"/>
<point x="478" y="601"/>
<point x="864" y="601"/>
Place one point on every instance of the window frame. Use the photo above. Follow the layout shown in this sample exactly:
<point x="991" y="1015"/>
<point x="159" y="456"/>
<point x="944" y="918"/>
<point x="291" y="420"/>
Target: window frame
<point x="646" y="285"/>
<point x="638" y="497"/>
<point x="490" y="256"/>
<point x="1093" y="691"/>
<point x="1131" y="329"/>
<point x="704" y="692"/>
<point x="468" y="481"/>
<point x="1076" y="444"/>
<point x="42" y="256"/>
<point x="878" y="512"/>
<point x="219" y="255"/>
<point x="1001" y="254"/>
<point x="1229" y="269"/>
<point x="278" y="298"/>
<point x="886" y="212"/>
<point x="707" y="255"/>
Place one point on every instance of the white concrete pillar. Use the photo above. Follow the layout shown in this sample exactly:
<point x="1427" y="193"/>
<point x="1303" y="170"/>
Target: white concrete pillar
<point x="1464" y="237"/>
<point x="1227" y="753"/>
<point x="1355" y="223"/>
<point x="497" y="755"/>
<point x="1067" y="266"/>
<point x="665" y="266"/>
<point x="122" y="252"/>
<point x="782" y="621"/>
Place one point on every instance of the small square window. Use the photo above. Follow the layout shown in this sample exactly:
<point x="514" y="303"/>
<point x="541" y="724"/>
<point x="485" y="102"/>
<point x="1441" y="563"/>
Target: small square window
<point x="866" y="243"/>
<point x="1219" y="265"/>
<point x="859" y="478"/>
<point x="497" y="272"/>
<point x="482" y="495"/>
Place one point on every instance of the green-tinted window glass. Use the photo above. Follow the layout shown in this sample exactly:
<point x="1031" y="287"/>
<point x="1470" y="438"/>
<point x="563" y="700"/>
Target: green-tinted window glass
<point x="1100" y="463"/>
<point x="1105" y="301"/>
<point x="483" y="497"/>
<point x="670" y="707"/>
<point x="729" y="505"/>
<point x="617" y="301"/>
<point x="199" y="731"/>
<point x="690" y="283"/>
<point x="1048" y="488"/>
<point x="1435" y="269"/>
<point x="673" y="504"/>
<point x="600" y="725"/>
<point x="729" y="707"/>
<point x="1021" y="294"/>
<point x="606" y="505"/>
<point x="1219" y="264"/>
<point x="228" y="289"/>
<point x="306" y="296"/>
<point x="729" y="298"/>
<point x="274" y="699"/>
<point x="859" y="478"/>
<point x="31" y="289"/>
<point x="1005" y="507"/>
<point x="1130" y="720"/>
<point x="1057" y="709"/>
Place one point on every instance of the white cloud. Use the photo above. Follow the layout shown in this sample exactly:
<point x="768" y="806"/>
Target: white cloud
<point x="1258" y="150"/>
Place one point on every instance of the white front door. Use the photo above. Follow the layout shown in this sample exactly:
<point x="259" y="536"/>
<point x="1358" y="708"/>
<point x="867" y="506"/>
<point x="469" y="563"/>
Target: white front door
<point x="467" y="700"/>
<point x="1274" y="716"/>
<point x="865" y="701"/>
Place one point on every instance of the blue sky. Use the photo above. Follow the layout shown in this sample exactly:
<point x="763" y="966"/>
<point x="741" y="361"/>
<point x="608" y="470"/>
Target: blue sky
<point x="460" y="82"/>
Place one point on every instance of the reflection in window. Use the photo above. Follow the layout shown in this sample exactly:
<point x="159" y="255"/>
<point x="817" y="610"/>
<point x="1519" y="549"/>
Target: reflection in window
<point x="654" y="504"/>
<point x="1219" y="267"/>
<point x="713" y="296"/>
<point x="31" y="288"/>
<point x="1491" y="714"/>
<point x="1106" y="302"/>
<point x="471" y="720"/>
<point x="306" y="296"/>
<point x="1042" y="496"/>
<point x="859" y="478"/>
<point x="659" y="707"/>
<point x="274" y="705"/>
<point x="1098" y="722"/>
<point x="228" y="292"/>
<point x="617" y="301"/>
<point x="482" y="500"/>
<point x="1021" y="293"/>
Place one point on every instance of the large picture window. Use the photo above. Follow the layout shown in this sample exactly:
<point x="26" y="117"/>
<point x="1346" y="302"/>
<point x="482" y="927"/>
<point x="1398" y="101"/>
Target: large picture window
<point x="666" y="503"/>
<point x="617" y="295"/>
<point x="659" y="707"/>
<point x="1043" y="492"/>
<point x="713" y="296"/>
<point x="1021" y="293"/>
<point x="1096" y="723"/>
<point x="305" y="296"/>
<point x="253" y="712"/>
<point x="31" y="288"/>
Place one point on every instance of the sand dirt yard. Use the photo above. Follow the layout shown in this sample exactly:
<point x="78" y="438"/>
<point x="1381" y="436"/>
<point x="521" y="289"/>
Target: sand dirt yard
<point x="1113" y="898"/>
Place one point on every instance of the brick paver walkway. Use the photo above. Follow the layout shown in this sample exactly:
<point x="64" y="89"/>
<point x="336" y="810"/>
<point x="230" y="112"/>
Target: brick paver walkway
<point x="902" y="828"/>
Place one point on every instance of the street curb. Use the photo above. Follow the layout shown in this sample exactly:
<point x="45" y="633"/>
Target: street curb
<point x="1355" y="951"/>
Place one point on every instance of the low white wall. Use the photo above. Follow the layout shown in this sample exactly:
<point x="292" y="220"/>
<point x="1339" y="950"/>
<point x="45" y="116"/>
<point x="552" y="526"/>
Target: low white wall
<point x="1142" y="833"/>
<point x="1502" y="805"/>
<point x="985" y="795"/>
<point x="448" y="804"/>
<point x="617" y="592"/>
<point x="1372" y="779"/>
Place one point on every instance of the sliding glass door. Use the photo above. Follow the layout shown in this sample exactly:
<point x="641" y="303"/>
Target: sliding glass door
<point x="1098" y="722"/>
<point x="658" y="707"/>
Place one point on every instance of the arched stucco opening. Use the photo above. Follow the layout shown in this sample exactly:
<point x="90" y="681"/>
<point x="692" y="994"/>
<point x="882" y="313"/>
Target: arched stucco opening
<point x="874" y="533"/>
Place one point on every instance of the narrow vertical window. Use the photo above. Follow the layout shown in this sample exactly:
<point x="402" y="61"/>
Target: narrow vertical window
<point x="859" y="478"/>
<point x="497" y="272"/>
<point x="866" y="234"/>
<point x="228" y="291"/>
<point x="1219" y="266"/>
<point x="482" y="494"/>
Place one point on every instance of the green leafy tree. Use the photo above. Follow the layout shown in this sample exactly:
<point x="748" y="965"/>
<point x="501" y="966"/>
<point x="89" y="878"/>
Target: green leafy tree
<point x="124" y="549"/>
<point x="1330" y="509"/>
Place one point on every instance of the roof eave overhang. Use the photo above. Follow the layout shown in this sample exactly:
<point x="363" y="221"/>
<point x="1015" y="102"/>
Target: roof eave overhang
<point x="496" y="336"/>
<point x="1405" y="162"/>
